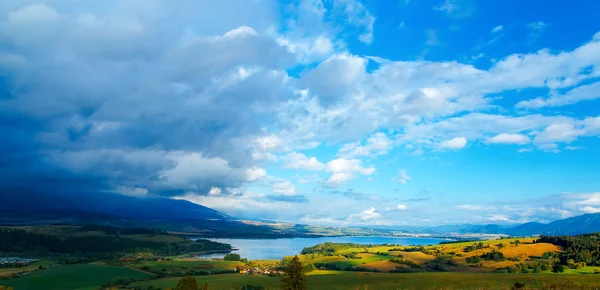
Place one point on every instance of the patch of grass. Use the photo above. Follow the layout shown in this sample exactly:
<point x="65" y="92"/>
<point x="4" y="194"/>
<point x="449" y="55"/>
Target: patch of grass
<point x="584" y="270"/>
<point x="74" y="277"/>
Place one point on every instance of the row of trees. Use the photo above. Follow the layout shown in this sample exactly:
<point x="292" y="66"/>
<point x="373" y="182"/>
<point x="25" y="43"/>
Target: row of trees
<point x="578" y="249"/>
<point x="328" y="248"/>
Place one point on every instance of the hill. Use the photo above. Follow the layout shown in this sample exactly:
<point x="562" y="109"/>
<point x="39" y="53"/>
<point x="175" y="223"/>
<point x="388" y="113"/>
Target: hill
<point x="587" y="223"/>
<point x="41" y="208"/>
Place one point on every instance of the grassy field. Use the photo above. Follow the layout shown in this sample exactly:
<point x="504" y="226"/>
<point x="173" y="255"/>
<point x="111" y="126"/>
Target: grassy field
<point x="417" y="281"/>
<point x="73" y="277"/>
<point x="185" y="265"/>
<point x="6" y="272"/>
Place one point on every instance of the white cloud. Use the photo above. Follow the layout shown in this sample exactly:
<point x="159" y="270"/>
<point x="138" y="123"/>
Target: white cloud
<point x="506" y="138"/>
<point x="456" y="143"/>
<point x="496" y="29"/>
<point x="401" y="207"/>
<point x="377" y="144"/>
<point x="255" y="173"/>
<point x="456" y="8"/>
<point x="578" y="94"/>
<point x="296" y="160"/>
<point x="358" y="15"/>
<point x="402" y="177"/>
<point x="561" y="132"/>
<point x="332" y="78"/>
<point x="344" y="169"/>
<point x="469" y="207"/>
<point x="285" y="188"/>
<point x="432" y="39"/>
<point x="367" y="215"/>
<point x="499" y="217"/>
<point x="215" y="191"/>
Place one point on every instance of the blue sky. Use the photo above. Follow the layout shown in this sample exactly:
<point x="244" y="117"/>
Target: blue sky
<point x="315" y="111"/>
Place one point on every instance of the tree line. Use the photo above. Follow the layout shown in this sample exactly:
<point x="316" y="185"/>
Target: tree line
<point x="577" y="249"/>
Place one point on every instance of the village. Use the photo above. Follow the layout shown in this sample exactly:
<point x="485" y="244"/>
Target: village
<point x="258" y="271"/>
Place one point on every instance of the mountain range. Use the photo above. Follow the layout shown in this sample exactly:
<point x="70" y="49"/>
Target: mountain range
<point x="31" y="208"/>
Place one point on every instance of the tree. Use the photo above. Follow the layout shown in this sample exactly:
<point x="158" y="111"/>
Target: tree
<point x="232" y="257"/>
<point x="294" y="278"/>
<point x="187" y="283"/>
<point x="558" y="268"/>
<point x="205" y="287"/>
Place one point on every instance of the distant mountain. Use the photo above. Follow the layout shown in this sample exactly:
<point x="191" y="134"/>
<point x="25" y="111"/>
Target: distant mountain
<point x="105" y="204"/>
<point x="41" y="208"/>
<point x="35" y="208"/>
<point x="587" y="223"/>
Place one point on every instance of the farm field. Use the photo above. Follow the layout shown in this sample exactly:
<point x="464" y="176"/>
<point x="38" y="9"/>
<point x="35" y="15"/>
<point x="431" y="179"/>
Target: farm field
<point x="184" y="266"/>
<point x="385" y="281"/>
<point x="73" y="277"/>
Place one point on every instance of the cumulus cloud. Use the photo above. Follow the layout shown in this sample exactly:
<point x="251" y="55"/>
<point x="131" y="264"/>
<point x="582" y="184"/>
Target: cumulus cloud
<point x="377" y="144"/>
<point x="367" y="215"/>
<point x="456" y="143"/>
<point x="132" y="86"/>
<point x="332" y="78"/>
<point x="296" y="160"/>
<point x="345" y="169"/>
<point x="506" y="138"/>
<point x="285" y="188"/>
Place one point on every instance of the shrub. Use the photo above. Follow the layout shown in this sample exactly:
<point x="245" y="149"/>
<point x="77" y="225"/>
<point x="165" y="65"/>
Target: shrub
<point x="494" y="255"/>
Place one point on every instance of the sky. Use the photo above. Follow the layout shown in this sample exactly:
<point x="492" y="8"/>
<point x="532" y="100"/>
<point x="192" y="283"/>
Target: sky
<point x="319" y="112"/>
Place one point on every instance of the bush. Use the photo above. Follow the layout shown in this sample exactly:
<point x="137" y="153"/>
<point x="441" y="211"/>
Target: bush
<point x="232" y="257"/>
<point x="558" y="268"/>
<point x="473" y="260"/>
<point x="494" y="256"/>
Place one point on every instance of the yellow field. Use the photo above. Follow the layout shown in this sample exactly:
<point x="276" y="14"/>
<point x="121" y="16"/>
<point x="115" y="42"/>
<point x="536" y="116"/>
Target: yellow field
<point x="451" y="257"/>
<point x="529" y="250"/>
<point x="416" y="257"/>
<point x="383" y="266"/>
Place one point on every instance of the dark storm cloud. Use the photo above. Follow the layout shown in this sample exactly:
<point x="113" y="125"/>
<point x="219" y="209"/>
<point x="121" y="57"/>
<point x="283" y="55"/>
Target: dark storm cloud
<point x="114" y="94"/>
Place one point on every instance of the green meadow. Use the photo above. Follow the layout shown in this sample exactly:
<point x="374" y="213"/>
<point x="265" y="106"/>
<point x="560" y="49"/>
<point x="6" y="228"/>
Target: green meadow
<point x="74" y="277"/>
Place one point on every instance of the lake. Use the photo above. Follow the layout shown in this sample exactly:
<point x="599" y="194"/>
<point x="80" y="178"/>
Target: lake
<point x="259" y="249"/>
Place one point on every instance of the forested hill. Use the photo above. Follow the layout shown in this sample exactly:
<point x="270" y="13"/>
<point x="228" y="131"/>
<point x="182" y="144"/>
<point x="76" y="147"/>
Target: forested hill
<point x="98" y="241"/>
<point x="577" y="249"/>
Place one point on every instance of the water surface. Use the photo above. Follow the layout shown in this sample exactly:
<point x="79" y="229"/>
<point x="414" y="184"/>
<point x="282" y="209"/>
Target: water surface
<point x="258" y="249"/>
